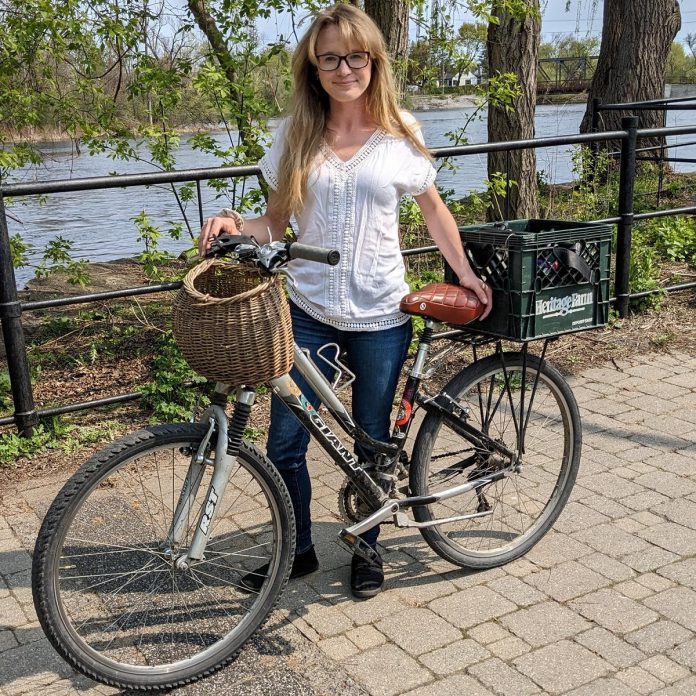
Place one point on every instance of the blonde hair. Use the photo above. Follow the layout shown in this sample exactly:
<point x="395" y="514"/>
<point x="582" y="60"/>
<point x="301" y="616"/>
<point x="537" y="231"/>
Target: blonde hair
<point x="310" y="103"/>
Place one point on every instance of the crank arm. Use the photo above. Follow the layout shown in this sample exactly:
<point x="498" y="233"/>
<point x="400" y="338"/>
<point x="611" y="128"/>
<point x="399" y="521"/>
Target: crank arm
<point x="389" y="509"/>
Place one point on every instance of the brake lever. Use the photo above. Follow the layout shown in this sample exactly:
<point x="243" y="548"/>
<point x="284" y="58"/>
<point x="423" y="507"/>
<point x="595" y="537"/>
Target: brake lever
<point x="273" y="256"/>
<point x="269" y="257"/>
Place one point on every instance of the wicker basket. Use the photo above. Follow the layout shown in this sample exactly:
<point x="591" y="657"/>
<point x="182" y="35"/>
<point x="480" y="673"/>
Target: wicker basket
<point x="232" y="324"/>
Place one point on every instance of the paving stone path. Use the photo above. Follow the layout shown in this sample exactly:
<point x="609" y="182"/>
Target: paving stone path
<point x="604" y="605"/>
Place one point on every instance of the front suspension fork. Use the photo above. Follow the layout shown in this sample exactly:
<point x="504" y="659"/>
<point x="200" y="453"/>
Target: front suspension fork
<point x="227" y="446"/>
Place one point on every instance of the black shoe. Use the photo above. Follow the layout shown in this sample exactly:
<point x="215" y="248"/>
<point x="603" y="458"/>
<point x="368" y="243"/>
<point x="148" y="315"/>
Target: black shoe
<point x="366" y="579"/>
<point x="304" y="564"/>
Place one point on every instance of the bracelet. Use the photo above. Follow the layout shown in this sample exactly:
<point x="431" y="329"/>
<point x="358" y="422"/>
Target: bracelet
<point x="238" y="219"/>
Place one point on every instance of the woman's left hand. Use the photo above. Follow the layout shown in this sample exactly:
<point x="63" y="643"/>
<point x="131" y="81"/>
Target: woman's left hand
<point x="468" y="279"/>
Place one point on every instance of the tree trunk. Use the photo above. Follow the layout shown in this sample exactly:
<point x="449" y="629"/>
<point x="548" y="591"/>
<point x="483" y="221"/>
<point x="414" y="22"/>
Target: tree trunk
<point x="207" y="24"/>
<point x="513" y="47"/>
<point x="636" y="39"/>
<point x="391" y="16"/>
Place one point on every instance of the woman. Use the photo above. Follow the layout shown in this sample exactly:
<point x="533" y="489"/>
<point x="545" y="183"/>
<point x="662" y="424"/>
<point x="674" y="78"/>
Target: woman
<point x="340" y="164"/>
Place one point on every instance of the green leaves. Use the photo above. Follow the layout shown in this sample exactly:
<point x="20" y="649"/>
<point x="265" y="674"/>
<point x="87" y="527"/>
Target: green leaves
<point x="51" y="55"/>
<point x="19" y="250"/>
<point x="171" y="392"/>
<point x="5" y="393"/>
<point x="54" y="434"/>
<point x="491" y="10"/>
<point x="19" y="155"/>
<point x="152" y="258"/>
<point x="644" y="273"/>
<point x="503" y="89"/>
<point x="57" y="259"/>
<point x="47" y="435"/>
<point x="674" y="238"/>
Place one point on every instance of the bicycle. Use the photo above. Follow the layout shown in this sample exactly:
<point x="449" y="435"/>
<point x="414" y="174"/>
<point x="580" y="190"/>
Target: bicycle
<point x="136" y="567"/>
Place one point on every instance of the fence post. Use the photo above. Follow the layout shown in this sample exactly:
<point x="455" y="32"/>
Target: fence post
<point x="663" y="153"/>
<point x="594" y="145"/>
<point x="507" y="184"/>
<point x="13" y="335"/>
<point x="627" y="174"/>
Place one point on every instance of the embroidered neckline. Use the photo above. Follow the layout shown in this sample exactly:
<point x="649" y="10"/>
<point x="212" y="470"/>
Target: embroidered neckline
<point x="354" y="161"/>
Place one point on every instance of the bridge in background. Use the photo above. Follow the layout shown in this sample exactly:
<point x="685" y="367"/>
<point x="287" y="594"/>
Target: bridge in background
<point x="564" y="75"/>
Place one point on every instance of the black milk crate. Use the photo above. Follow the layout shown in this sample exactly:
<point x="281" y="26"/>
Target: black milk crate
<point x="549" y="277"/>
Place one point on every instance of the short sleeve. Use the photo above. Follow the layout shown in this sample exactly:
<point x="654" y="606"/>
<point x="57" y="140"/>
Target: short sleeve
<point x="417" y="171"/>
<point x="270" y="162"/>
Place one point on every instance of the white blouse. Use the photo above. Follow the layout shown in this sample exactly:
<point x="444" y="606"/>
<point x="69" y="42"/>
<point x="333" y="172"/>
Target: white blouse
<point x="353" y="206"/>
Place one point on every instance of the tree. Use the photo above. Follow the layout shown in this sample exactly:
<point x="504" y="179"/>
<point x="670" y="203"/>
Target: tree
<point x="513" y="47"/>
<point x="229" y="61"/>
<point x="680" y="66"/>
<point x="636" y="39"/>
<point x="391" y="16"/>
<point x="109" y="75"/>
<point x="690" y="41"/>
<point x="100" y="71"/>
<point x="420" y="70"/>
<point x="569" y="46"/>
<point x="471" y="40"/>
<point x="470" y="48"/>
<point x="446" y="53"/>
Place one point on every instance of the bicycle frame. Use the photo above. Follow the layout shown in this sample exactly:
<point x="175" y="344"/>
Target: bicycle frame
<point x="287" y="390"/>
<point x="291" y="395"/>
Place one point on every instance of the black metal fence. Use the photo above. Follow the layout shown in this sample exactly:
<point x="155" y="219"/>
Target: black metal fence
<point x="657" y="154"/>
<point x="11" y="309"/>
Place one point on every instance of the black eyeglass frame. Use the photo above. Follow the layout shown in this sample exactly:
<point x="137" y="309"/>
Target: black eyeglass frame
<point x="344" y="58"/>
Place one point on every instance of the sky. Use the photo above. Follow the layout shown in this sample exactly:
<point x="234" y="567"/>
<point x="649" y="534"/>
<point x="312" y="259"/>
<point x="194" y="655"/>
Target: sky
<point x="583" y="20"/>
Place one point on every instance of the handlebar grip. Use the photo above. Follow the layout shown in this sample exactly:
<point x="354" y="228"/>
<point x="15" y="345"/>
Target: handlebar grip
<point x="311" y="253"/>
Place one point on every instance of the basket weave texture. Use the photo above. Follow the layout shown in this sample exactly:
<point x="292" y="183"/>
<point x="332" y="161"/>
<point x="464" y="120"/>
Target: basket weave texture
<point x="232" y="324"/>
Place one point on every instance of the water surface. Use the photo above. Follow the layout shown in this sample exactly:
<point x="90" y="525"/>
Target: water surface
<point x="100" y="222"/>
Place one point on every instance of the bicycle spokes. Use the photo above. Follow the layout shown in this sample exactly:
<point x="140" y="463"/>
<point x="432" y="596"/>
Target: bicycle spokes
<point x="517" y="446"/>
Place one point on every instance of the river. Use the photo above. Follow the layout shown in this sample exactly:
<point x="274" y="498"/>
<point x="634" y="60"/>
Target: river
<point x="100" y="225"/>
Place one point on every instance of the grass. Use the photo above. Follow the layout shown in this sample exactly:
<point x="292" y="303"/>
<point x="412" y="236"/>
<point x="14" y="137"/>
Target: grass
<point x="56" y="434"/>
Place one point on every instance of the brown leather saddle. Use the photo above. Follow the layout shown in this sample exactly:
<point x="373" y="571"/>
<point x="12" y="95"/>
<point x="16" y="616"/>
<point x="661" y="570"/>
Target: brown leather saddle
<point x="444" y="302"/>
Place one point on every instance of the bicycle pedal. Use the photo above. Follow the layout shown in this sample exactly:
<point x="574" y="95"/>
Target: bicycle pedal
<point x="360" y="547"/>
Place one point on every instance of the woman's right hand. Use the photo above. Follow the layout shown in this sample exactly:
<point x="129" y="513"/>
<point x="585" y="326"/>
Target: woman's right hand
<point x="213" y="227"/>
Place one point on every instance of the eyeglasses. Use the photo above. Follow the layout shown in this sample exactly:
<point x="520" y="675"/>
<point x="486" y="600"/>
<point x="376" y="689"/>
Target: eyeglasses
<point x="354" y="60"/>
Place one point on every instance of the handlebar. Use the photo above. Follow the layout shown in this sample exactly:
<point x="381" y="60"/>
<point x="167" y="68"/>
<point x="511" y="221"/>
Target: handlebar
<point x="310" y="253"/>
<point x="272" y="256"/>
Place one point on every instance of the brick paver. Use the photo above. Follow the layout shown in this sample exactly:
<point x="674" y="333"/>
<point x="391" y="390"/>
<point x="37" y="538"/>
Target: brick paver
<point x="604" y="605"/>
<point x="562" y="666"/>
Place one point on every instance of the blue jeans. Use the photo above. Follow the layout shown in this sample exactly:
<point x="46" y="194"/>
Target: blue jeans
<point x="376" y="358"/>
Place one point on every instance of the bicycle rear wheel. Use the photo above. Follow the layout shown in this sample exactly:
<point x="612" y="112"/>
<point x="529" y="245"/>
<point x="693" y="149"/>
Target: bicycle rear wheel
<point x="106" y="587"/>
<point x="521" y="507"/>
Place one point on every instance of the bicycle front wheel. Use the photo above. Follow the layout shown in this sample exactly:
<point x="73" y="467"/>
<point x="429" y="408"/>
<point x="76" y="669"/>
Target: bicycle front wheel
<point x="507" y="516"/>
<point x="107" y="589"/>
